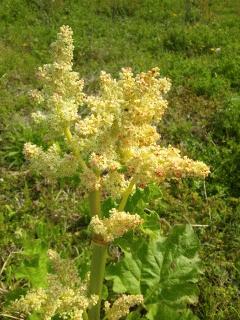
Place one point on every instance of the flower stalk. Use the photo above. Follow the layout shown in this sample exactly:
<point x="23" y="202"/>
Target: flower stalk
<point x="68" y="136"/>
<point x="98" y="263"/>
<point x="99" y="256"/>
<point x="126" y="194"/>
<point x="95" y="203"/>
<point x="99" y="249"/>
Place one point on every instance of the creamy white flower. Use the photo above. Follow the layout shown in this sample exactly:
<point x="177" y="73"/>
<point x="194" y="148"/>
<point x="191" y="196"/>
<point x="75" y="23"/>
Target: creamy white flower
<point x="65" y="295"/>
<point x="118" y="223"/>
<point x="110" y="137"/>
<point x="121" y="306"/>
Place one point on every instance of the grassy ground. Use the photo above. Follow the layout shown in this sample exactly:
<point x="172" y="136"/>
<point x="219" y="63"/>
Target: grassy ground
<point x="197" y="45"/>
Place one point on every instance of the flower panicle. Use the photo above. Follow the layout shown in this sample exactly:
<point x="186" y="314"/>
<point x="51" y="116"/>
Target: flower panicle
<point x="120" y="308"/>
<point x="64" y="296"/>
<point x="118" y="223"/>
<point x="113" y="132"/>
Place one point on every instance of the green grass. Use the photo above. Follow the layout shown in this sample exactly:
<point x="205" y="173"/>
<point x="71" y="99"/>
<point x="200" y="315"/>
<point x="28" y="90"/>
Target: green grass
<point x="202" y="120"/>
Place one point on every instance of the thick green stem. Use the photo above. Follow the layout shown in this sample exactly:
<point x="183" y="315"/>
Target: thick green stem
<point x="99" y="256"/>
<point x="99" y="252"/>
<point x="85" y="315"/>
<point x="95" y="203"/>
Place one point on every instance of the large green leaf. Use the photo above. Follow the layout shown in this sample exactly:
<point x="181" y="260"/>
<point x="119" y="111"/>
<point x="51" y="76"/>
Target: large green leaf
<point x="158" y="311"/>
<point x="34" y="266"/>
<point x="164" y="269"/>
<point x="142" y="197"/>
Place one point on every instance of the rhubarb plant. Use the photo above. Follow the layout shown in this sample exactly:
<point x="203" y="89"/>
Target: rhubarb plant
<point x="111" y="143"/>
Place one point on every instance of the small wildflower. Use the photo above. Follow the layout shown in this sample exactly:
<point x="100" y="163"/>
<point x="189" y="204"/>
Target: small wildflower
<point x="216" y="50"/>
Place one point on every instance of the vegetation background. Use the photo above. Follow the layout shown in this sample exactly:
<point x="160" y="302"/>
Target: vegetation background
<point x="196" y="43"/>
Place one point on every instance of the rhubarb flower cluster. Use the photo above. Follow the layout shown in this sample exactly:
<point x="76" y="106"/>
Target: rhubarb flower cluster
<point x="65" y="295"/>
<point x="51" y="163"/>
<point x="118" y="223"/>
<point x="120" y="308"/>
<point x="109" y="138"/>
<point x="61" y="93"/>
